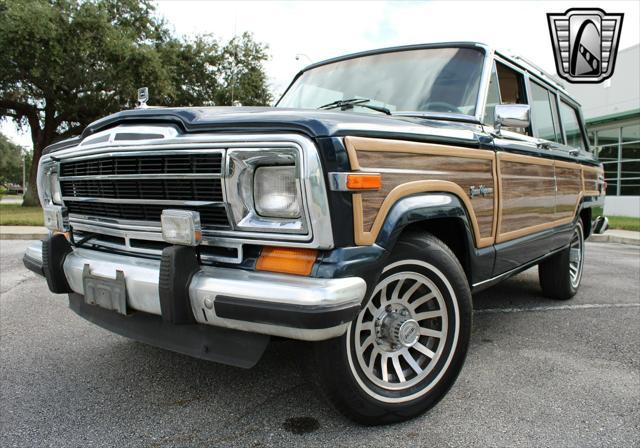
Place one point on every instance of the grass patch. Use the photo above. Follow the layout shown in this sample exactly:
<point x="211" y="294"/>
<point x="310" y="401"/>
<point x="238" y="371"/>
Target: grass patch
<point x="624" y="223"/>
<point x="17" y="215"/>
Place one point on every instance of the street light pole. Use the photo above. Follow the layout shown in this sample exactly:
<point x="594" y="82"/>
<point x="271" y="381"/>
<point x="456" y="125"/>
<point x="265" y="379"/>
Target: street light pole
<point x="302" y="55"/>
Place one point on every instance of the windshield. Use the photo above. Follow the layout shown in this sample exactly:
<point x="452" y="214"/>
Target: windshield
<point x="426" y="80"/>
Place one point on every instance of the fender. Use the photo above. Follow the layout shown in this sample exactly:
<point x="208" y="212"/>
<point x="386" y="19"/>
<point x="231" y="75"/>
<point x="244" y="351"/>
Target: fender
<point x="368" y="261"/>
<point x="433" y="206"/>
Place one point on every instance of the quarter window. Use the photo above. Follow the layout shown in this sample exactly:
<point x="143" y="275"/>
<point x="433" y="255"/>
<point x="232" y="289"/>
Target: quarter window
<point x="511" y="85"/>
<point x="506" y="86"/>
<point x="543" y="118"/>
<point x="571" y="124"/>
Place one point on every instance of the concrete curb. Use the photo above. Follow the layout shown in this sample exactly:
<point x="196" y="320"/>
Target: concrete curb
<point x="23" y="236"/>
<point x="614" y="239"/>
<point x="38" y="233"/>
<point x="23" y="233"/>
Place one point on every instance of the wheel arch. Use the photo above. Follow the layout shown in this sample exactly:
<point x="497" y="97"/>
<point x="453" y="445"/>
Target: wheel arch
<point x="441" y="214"/>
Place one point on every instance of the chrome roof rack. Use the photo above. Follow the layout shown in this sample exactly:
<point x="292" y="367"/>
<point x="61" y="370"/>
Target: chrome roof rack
<point x="534" y="68"/>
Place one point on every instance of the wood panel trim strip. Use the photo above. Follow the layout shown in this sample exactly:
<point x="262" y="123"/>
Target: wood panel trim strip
<point x="354" y="144"/>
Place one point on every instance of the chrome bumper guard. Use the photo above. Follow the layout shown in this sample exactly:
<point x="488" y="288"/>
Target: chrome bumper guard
<point x="257" y="302"/>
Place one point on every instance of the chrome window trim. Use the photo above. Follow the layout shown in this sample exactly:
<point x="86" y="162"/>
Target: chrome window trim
<point x="314" y="191"/>
<point x="483" y="88"/>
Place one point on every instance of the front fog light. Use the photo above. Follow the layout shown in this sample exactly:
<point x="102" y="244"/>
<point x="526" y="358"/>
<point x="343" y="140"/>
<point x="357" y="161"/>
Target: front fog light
<point x="181" y="227"/>
<point x="275" y="192"/>
<point x="56" y="218"/>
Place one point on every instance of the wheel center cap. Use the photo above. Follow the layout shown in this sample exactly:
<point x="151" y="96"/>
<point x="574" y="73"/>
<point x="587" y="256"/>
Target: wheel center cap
<point x="407" y="333"/>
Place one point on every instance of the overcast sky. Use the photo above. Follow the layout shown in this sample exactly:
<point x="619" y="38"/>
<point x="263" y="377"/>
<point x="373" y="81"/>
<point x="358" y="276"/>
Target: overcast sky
<point x="324" y="29"/>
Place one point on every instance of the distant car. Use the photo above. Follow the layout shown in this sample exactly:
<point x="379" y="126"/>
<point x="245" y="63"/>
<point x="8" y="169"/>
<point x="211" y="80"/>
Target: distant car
<point x="13" y="188"/>
<point x="360" y="213"/>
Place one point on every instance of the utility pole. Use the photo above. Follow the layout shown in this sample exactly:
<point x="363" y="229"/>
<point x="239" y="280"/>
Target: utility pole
<point x="24" y="172"/>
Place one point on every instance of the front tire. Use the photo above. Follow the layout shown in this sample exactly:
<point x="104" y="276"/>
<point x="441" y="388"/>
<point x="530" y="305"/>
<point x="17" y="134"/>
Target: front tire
<point x="560" y="274"/>
<point x="405" y="349"/>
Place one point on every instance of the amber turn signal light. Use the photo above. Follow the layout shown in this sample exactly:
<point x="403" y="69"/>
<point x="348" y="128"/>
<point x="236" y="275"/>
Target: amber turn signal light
<point x="287" y="260"/>
<point x="364" y="181"/>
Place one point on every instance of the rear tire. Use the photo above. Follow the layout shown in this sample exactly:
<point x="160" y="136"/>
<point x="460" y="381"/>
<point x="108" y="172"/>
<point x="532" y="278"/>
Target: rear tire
<point x="405" y="349"/>
<point x="560" y="274"/>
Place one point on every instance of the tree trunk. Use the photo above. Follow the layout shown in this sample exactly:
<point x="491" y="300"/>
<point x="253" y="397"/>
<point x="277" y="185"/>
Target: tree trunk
<point x="41" y="138"/>
<point x="31" y="194"/>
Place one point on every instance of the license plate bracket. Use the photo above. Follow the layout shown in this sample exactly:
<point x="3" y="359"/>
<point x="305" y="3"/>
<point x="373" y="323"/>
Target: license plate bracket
<point x="108" y="293"/>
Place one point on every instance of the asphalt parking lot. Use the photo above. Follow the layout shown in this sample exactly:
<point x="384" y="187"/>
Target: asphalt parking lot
<point x="539" y="373"/>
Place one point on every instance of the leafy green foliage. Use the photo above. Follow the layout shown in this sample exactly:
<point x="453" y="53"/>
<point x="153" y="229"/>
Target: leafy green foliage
<point x="66" y="63"/>
<point x="11" y="162"/>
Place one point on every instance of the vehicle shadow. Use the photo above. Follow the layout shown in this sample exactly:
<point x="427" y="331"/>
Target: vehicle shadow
<point x="238" y="406"/>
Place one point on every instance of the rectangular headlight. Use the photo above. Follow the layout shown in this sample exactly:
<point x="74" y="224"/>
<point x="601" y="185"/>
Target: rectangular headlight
<point x="275" y="192"/>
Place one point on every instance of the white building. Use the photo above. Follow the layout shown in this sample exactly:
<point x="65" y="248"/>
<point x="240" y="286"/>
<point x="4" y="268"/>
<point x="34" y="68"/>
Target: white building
<point x="612" y="112"/>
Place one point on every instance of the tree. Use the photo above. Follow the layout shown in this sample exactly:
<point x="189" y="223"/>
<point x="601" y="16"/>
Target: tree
<point x="66" y="63"/>
<point x="11" y="162"/>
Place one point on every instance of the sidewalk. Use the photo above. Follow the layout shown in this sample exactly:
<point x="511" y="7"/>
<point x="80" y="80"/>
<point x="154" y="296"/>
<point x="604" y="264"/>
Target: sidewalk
<point x="38" y="233"/>
<point x="617" y="236"/>
<point x="22" y="232"/>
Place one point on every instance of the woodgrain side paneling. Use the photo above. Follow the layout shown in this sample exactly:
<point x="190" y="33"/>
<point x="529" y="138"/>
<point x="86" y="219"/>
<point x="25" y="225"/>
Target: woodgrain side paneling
<point x="400" y="168"/>
<point x="527" y="195"/>
<point x="591" y="184"/>
<point x="412" y="167"/>
<point x="530" y="194"/>
<point x="569" y="182"/>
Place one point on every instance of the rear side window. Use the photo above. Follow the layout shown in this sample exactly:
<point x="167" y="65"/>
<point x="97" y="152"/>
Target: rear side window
<point x="543" y="117"/>
<point x="571" y="124"/>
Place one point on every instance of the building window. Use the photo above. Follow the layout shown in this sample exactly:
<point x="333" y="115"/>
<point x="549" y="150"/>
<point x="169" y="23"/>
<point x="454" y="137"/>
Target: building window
<point x="608" y="143"/>
<point x="630" y="161"/>
<point x="620" y="156"/>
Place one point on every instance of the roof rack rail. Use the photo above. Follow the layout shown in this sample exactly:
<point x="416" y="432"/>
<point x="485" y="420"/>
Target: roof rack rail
<point x="540" y="70"/>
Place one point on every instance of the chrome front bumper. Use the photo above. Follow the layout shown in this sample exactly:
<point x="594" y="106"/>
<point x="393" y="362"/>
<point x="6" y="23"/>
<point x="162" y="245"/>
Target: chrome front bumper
<point x="275" y="304"/>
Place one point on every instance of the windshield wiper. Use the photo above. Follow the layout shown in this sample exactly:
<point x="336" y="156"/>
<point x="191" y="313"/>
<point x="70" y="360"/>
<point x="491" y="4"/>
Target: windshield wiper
<point x="351" y="103"/>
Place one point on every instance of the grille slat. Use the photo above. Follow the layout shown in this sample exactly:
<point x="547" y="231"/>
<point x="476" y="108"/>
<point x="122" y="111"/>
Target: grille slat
<point x="210" y="216"/>
<point x="207" y="189"/>
<point x="210" y="163"/>
<point x="168" y="189"/>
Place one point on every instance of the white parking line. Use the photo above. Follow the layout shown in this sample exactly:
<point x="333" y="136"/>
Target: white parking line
<point x="587" y="306"/>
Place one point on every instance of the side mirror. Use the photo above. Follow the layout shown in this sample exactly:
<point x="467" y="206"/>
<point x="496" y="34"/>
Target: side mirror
<point x="511" y="116"/>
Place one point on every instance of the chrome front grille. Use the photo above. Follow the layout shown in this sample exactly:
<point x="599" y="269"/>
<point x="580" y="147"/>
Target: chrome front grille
<point x="136" y="188"/>
<point x="115" y="184"/>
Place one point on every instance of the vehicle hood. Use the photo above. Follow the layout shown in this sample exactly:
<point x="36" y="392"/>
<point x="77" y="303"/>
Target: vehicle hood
<point x="312" y="123"/>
